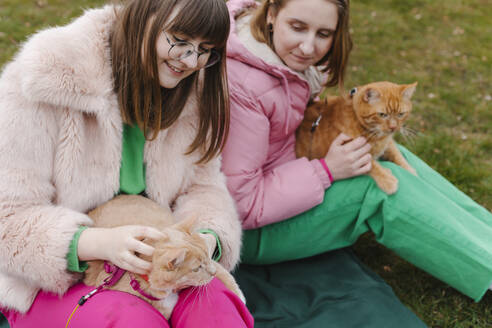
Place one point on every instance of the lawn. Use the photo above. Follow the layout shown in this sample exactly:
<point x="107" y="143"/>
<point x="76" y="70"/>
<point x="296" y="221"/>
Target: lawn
<point x="444" y="45"/>
<point x="447" y="47"/>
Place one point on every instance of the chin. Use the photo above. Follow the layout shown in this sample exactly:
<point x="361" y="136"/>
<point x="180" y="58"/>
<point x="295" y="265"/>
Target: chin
<point x="296" y="66"/>
<point x="167" y="83"/>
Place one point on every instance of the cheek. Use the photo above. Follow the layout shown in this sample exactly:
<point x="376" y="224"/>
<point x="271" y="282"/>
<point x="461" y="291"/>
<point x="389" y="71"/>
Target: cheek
<point x="323" y="46"/>
<point x="284" y="40"/>
<point x="161" y="48"/>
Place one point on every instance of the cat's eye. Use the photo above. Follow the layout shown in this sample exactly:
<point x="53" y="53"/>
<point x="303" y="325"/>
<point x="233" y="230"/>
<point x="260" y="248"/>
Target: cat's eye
<point x="383" y="115"/>
<point x="197" y="268"/>
<point x="400" y="115"/>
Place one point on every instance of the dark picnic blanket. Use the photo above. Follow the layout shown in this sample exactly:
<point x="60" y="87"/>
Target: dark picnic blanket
<point x="333" y="289"/>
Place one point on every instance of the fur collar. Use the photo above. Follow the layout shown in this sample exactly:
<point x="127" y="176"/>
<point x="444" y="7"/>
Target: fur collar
<point x="70" y="66"/>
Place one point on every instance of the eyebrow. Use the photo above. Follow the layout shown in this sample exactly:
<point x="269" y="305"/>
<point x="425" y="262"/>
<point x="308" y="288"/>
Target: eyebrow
<point x="297" y="20"/>
<point x="187" y="38"/>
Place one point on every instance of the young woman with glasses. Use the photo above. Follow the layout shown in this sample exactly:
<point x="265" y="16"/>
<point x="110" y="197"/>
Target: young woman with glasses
<point x="125" y="99"/>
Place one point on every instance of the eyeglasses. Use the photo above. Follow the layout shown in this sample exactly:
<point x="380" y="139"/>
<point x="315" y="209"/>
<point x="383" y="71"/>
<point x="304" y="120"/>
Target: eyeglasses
<point x="181" y="49"/>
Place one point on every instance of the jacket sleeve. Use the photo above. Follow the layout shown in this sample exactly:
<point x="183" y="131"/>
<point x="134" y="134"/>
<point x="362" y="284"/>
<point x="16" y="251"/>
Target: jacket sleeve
<point x="265" y="197"/>
<point x="34" y="233"/>
<point x="209" y="198"/>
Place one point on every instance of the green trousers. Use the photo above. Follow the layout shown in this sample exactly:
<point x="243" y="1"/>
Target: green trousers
<point x="428" y="222"/>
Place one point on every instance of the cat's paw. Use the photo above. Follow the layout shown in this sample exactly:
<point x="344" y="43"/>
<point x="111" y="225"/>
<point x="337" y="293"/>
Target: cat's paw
<point x="411" y="170"/>
<point x="388" y="184"/>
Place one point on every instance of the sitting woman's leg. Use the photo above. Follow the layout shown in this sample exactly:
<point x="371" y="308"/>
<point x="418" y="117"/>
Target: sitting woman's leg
<point x="428" y="221"/>
<point x="107" y="308"/>
<point x="210" y="306"/>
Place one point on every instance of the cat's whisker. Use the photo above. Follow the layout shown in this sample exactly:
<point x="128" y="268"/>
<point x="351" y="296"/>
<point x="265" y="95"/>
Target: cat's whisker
<point x="372" y="134"/>
<point x="207" y="294"/>
<point x="408" y="134"/>
<point x="196" y="295"/>
<point x="407" y="139"/>
<point x="209" y="298"/>
<point x="409" y="131"/>
<point x="190" y="293"/>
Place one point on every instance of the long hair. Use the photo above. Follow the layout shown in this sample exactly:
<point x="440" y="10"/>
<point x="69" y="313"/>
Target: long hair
<point x="135" y="69"/>
<point x="336" y="59"/>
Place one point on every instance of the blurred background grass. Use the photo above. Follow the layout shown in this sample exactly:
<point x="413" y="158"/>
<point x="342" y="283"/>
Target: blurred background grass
<point x="444" y="45"/>
<point x="447" y="47"/>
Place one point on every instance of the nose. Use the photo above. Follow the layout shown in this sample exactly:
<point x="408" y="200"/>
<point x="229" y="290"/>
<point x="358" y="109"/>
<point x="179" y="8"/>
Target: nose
<point x="307" y="46"/>
<point x="212" y="270"/>
<point x="393" y="125"/>
<point x="191" y="61"/>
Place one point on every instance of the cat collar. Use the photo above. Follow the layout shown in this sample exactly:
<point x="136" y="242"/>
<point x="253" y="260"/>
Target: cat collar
<point x="118" y="272"/>
<point x="316" y="123"/>
<point x="136" y="287"/>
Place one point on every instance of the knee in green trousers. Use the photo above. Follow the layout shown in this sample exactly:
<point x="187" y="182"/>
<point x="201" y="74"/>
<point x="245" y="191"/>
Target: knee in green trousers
<point x="428" y="222"/>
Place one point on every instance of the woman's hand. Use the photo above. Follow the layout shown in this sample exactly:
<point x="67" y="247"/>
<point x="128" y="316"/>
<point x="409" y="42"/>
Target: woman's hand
<point x="347" y="158"/>
<point x="119" y="245"/>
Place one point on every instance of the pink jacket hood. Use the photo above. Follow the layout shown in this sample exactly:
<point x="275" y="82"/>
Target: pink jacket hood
<point x="268" y="100"/>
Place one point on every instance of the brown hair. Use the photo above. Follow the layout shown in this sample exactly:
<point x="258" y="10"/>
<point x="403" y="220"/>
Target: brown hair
<point x="335" y="60"/>
<point x="141" y="98"/>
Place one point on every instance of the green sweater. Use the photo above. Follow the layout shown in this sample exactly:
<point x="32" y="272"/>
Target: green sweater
<point x="132" y="181"/>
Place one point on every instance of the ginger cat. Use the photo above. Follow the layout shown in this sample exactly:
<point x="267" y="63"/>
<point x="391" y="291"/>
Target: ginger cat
<point x="375" y="111"/>
<point x="180" y="260"/>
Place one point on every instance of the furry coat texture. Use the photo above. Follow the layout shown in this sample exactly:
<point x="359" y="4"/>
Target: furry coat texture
<point x="60" y="153"/>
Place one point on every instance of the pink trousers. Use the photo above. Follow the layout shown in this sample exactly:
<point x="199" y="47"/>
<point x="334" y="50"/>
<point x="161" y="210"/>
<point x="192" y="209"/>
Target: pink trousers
<point x="210" y="306"/>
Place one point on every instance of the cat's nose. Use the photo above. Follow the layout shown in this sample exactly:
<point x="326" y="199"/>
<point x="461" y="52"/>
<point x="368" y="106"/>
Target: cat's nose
<point x="212" y="270"/>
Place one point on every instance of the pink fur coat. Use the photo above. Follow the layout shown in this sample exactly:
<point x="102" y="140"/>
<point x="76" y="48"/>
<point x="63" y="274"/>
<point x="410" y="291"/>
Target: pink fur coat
<point x="60" y="152"/>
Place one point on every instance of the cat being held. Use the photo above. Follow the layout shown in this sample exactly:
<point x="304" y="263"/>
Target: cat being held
<point x="375" y="111"/>
<point x="180" y="260"/>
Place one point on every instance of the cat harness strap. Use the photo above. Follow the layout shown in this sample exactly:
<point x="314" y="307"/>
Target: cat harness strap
<point x="115" y="275"/>
<point x="353" y="91"/>
<point x="118" y="272"/>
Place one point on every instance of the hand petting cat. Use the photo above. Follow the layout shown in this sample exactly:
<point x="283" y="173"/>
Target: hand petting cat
<point x="348" y="157"/>
<point x="371" y="114"/>
<point x="119" y="245"/>
<point x="181" y="256"/>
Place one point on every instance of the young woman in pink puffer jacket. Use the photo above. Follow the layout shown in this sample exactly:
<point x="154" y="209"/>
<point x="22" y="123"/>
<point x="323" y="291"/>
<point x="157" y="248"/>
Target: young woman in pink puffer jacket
<point x="294" y="208"/>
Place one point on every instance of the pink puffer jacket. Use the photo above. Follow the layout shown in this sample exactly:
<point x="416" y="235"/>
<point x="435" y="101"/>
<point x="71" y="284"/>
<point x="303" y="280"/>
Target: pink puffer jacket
<point x="267" y="105"/>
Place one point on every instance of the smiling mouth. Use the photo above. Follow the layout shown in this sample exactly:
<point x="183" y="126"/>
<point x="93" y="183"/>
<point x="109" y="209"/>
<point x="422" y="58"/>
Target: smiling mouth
<point x="174" y="68"/>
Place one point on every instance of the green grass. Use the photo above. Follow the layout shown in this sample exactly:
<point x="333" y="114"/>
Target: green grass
<point x="446" y="47"/>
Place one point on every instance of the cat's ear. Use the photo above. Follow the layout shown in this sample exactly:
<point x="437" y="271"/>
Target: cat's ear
<point x="188" y="224"/>
<point x="407" y="90"/>
<point x="371" y="96"/>
<point x="175" y="258"/>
